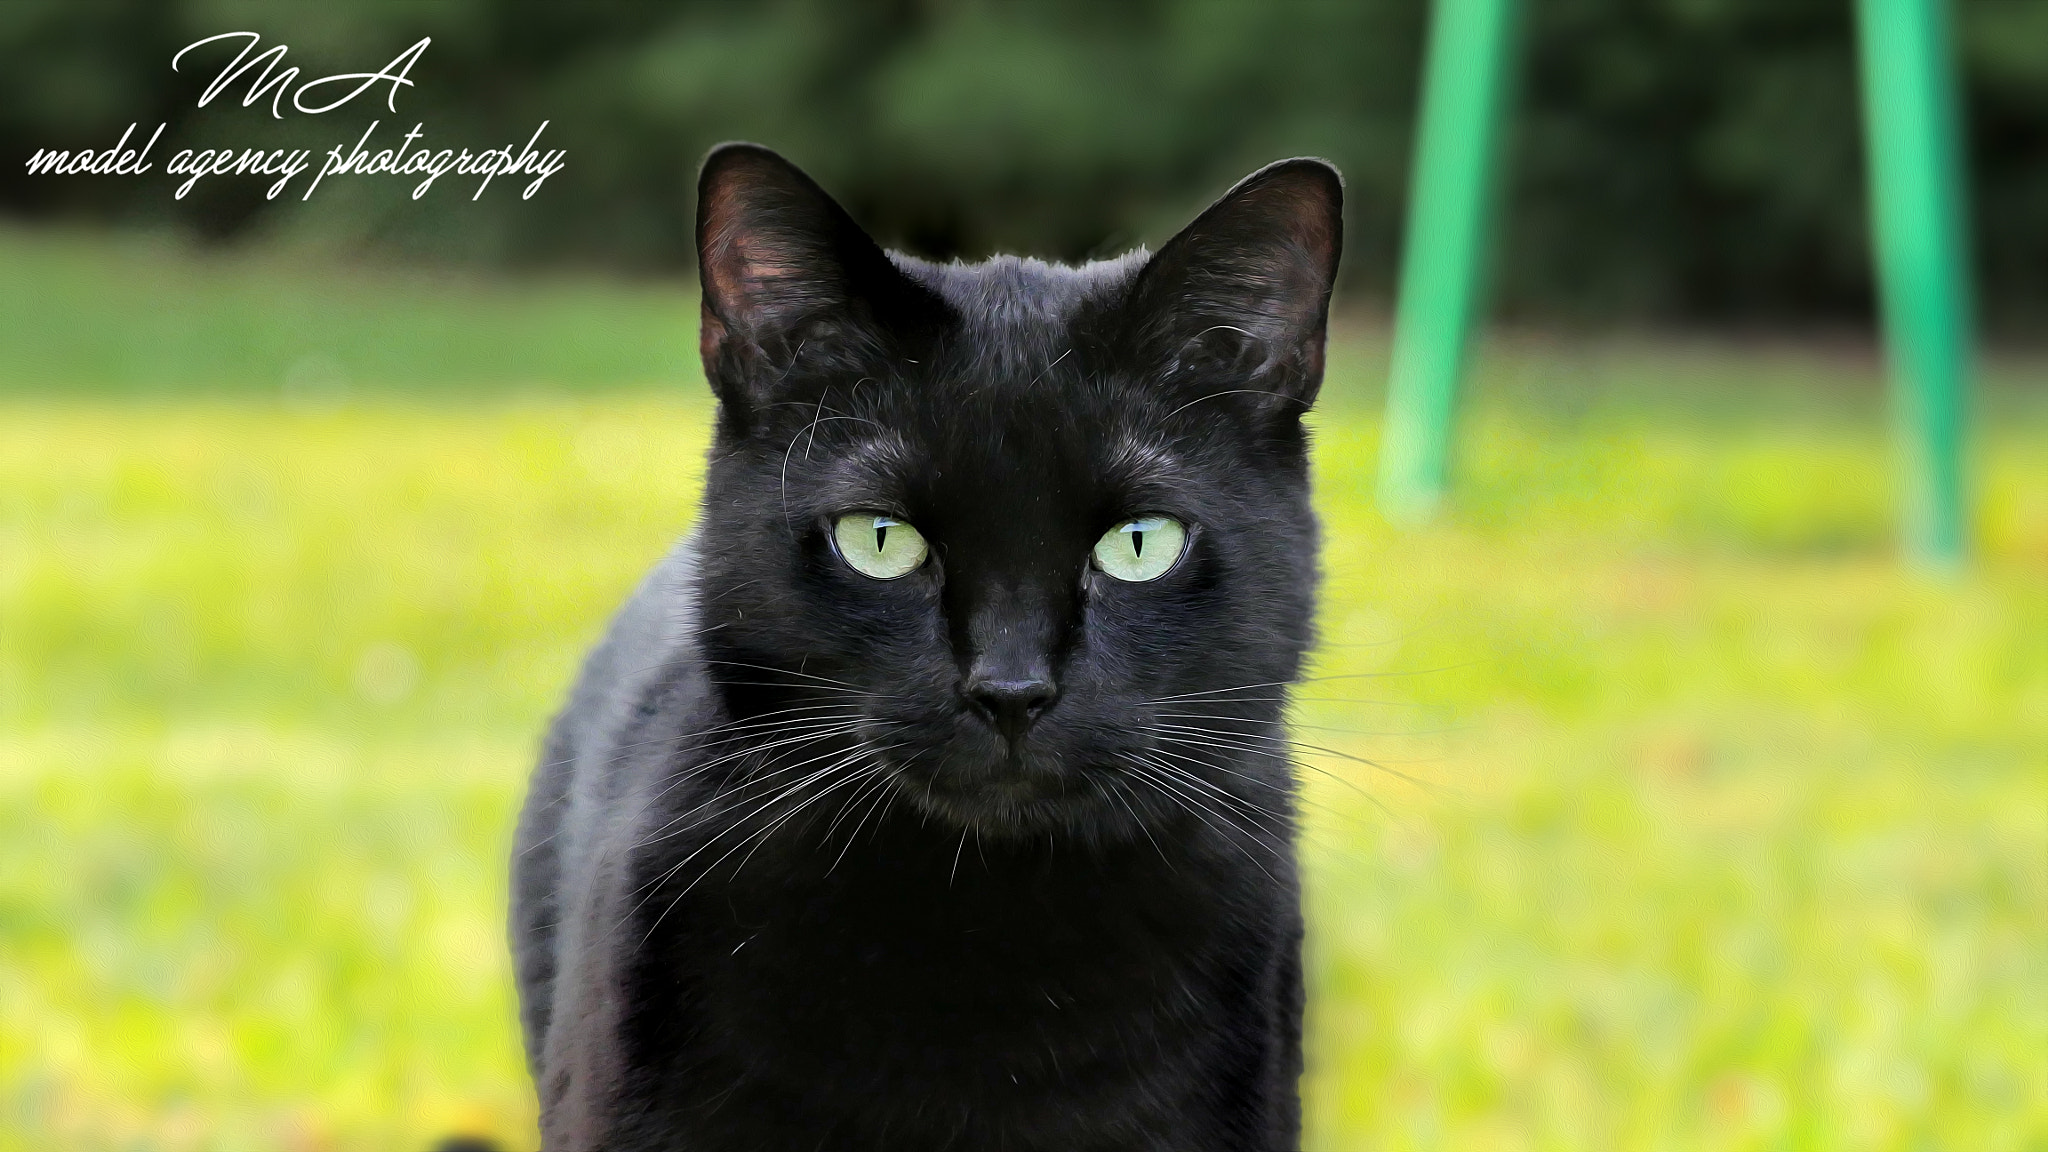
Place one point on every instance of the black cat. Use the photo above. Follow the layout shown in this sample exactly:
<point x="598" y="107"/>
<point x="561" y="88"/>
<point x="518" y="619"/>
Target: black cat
<point x="931" y="794"/>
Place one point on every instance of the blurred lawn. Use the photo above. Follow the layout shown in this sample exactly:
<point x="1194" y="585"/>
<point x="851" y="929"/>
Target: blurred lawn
<point x="1702" y="824"/>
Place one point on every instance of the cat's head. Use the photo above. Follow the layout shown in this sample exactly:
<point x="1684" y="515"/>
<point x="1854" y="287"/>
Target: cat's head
<point x="1029" y="543"/>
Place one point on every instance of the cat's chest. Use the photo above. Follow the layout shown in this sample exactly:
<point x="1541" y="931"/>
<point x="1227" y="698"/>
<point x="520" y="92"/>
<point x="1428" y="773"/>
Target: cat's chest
<point x="1009" y="965"/>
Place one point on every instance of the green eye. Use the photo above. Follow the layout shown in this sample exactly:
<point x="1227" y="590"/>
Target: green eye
<point x="1141" y="549"/>
<point x="879" y="546"/>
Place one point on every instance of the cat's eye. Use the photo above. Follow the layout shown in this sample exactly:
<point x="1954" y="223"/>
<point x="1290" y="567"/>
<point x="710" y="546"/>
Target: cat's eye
<point x="1141" y="549"/>
<point x="879" y="546"/>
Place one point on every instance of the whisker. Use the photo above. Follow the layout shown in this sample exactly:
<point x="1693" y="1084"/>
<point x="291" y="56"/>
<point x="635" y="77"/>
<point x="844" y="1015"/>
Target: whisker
<point x="1250" y="810"/>
<point x="782" y="792"/>
<point x="750" y="781"/>
<point x="619" y="751"/>
<point x="1222" y="736"/>
<point x="1298" y="680"/>
<point x="1295" y="725"/>
<point x="866" y="772"/>
<point x="883" y="792"/>
<point x="845" y="808"/>
<point x="1152" y="773"/>
<point x="756" y="837"/>
<point x="854" y="692"/>
<point x="650" y="887"/>
<point x="1368" y="797"/>
<point x="1301" y="828"/>
<point x="792" y="717"/>
<point x="955" y="873"/>
<point x="1294" y="794"/>
<point x="1115" y="791"/>
<point x="1172" y="790"/>
<point x="808" y="731"/>
<point x="1245" y="776"/>
<point x="811" y="676"/>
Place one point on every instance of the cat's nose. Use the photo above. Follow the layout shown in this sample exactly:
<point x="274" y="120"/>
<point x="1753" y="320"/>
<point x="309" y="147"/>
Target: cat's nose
<point x="1011" y="705"/>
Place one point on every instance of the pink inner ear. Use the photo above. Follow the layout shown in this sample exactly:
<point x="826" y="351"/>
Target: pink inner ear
<point x="752" y="282"/>
<point x="1314" y="227"/>
<point x="738" y="270"/>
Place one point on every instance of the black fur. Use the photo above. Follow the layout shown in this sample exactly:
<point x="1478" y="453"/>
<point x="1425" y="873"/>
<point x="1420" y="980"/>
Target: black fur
<point x="784" y="880"/>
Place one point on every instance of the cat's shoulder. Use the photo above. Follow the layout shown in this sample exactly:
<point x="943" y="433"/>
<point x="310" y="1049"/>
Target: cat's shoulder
<point x="649" y="652"/>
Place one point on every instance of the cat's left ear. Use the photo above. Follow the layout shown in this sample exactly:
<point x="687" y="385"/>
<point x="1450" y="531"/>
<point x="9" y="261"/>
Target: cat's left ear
<point x="1240" y="299"/>
<point x="790" y="280"/>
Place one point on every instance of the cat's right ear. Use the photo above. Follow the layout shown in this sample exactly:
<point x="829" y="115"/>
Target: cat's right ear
<point x="1237" y="304"/>
<point x="788" y="275"/>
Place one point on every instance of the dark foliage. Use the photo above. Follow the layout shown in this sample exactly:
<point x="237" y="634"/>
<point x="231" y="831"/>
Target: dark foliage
<point x="1675" y="158"/>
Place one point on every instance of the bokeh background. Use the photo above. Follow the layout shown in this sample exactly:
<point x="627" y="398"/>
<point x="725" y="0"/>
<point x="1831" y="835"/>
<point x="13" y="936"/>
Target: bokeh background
<point x="1658" y="803"/>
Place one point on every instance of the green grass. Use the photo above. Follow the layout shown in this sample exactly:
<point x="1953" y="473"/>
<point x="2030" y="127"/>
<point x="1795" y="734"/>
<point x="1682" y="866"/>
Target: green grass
<point x="1703" y="824"/>
<point x="146" y="316"/>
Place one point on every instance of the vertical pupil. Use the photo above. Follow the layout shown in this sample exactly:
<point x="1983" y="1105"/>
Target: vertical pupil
<point x="881" y="534"/>
<point x="1137" y="543"/>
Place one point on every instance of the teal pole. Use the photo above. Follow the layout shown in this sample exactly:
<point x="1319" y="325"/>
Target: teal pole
<point x="1464" y="99"/>
<point x="1917" y="216"/>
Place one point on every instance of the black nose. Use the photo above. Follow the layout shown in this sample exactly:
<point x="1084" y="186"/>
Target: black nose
<point x="1011" y="705"/>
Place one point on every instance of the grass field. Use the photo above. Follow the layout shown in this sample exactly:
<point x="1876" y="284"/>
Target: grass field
<point x="1706" y="825"/>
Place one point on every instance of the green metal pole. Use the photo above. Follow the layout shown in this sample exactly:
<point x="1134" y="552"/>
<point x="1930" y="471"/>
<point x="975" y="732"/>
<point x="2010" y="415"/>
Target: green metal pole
<point x="1916" y="194"/>
<point x="1464" y="98"/>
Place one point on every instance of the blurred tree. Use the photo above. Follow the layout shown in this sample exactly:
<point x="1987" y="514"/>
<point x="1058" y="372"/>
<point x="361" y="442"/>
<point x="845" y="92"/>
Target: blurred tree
<point x="1675" y="159"/>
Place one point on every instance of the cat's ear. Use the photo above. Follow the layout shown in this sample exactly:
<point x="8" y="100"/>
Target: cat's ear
<point x="1239" y="300"/>
<point x="786" y="274"/>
